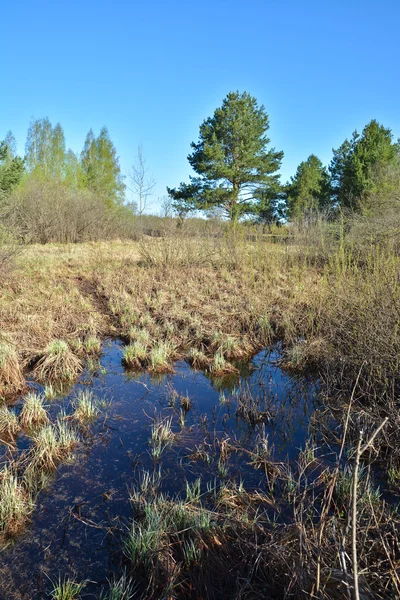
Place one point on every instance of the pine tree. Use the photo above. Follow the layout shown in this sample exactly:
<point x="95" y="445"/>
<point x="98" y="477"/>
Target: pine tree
<point x="309" y="189"/>
<point x="355" y="161"/>
<point x="271" y="204"/>
<point x="231" y="159"/>
<point x="11" y="166"/>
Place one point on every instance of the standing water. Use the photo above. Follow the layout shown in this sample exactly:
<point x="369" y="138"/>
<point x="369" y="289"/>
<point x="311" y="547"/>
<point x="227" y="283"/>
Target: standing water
<point x="81" y="515"/>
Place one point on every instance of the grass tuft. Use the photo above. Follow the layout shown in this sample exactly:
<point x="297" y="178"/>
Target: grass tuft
<point x="9" y="424"/>
<point x="92" y="345"/>
<point x="161" y="436"/>
<point x="50" y="392"/>
<point x="51" y="444"/>
<point x="139" y="334"/>
<point x="11" y="377"/>
<point x="33" y="413"/>
<point x="159" y="359"/>
<point x="120" y="589"/>
<point x="67" y="590"/>
<point x="134" y="356"/>
<point x="197" y="359"/>
<point x="58" y="363"/>
<point x="86" y="409"/>
<point x="15" y="502"/>
<point x="220" y="366"/>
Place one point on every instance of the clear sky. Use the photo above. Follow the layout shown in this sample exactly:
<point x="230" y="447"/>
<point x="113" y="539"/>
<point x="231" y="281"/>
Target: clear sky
<point x="152" y="71"/>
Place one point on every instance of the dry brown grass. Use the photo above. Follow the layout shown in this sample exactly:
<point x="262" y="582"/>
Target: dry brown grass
<point x="11" y="377"/>
<point x="76" y="292"/>
<point x="335" y="311"/>
<point x="225" y="541"/>
<point x="45" y="298"/>
<point x="58" y="363"/>
<point x="338" y="311"/>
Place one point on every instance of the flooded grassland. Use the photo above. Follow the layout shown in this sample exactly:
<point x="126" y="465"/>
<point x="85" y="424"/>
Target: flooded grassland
<point x="205" y="448"/>
<point x="218" y="434"/>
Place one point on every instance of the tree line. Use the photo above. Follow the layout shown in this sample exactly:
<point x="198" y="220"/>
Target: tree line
<point x="237" y="170"/>
<point x="46" y="159"/>
<point x="55" y="194"/>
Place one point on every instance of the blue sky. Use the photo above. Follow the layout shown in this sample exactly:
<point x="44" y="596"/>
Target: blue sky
<point x="152" y="71"/>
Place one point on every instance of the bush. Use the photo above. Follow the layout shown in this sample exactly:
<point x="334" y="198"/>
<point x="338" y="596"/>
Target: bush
<point x="48" y="211"/>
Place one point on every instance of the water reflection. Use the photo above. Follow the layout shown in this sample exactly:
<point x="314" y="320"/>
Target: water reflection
<point x="79" y="519"/>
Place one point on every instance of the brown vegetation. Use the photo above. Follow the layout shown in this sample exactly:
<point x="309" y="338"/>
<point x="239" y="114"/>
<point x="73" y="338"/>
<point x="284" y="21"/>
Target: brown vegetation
<point x="325" y="300"/>
<point x="335" y="310"/>
<point x="293" y="537"/>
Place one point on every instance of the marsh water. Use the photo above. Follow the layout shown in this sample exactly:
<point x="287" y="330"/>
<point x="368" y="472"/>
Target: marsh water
<point x="77" y="525"/>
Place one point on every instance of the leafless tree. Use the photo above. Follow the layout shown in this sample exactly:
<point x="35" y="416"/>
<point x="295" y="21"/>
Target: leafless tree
<point x="166" y="210"/>
<point x="142" y="183"/>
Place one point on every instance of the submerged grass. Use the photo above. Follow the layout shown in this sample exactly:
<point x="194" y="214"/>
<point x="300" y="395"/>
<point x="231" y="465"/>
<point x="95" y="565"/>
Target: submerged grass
<point x="219" y="539"/>
<point x="26" y="472"/>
